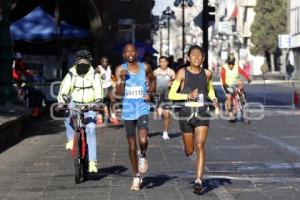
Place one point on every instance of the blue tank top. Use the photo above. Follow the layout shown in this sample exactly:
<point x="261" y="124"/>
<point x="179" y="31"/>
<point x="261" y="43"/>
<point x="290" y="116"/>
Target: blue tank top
<point x="133" y="105"/>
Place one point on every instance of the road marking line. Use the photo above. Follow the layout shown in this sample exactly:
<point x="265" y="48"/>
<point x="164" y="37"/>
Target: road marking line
<point x="283" y="145"/>
<point x="256" y="179"/>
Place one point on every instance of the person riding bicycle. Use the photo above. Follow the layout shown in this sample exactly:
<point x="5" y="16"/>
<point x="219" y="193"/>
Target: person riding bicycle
<point x="230" y="73"/>
<point x="84" y="87"/>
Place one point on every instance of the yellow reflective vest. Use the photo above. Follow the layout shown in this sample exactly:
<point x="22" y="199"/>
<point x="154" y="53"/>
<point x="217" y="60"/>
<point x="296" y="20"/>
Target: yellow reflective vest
<point x="231" y="75"/>
<point x="83" y="89"/>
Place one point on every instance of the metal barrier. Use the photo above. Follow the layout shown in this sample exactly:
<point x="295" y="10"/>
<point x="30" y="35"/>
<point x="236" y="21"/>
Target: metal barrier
<point x="273" y="93"/>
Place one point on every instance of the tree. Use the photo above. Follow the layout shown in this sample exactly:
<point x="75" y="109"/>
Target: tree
<point x="270" y="20"/>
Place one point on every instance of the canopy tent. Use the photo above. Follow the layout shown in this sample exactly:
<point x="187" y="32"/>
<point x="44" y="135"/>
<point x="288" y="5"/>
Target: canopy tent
<point x="39" y="25"/>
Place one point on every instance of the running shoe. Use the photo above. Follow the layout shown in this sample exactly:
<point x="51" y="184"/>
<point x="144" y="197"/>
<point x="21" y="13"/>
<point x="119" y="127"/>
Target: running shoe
<point x="198" y="187"/>
<point x="93" y="167"/>
<point x="231" y="116"/>
<point x="143" y="163"/>
<point x="36" y="112"/>
<point x="136" y="183"/>
<point x="165" y="136"/>
<point x="69" y="145"/>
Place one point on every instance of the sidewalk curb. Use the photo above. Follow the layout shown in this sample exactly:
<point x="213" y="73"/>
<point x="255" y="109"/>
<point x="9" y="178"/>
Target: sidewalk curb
<point x="13" y="130"/>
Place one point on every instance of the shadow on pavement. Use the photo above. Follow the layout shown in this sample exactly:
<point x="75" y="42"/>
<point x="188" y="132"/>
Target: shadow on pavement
<point x="154" y="134"/>
<point x="214" y="183"/>
<point x="103" y="172"/>
<point x="174" y="135"/>
<point x="156" y="181"/>
<point x="109" y="125"/>
<point x="171" y="135"/>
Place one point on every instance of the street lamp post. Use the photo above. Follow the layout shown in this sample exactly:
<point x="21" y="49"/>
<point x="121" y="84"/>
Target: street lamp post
<point x="168" y="14"/>
<point x="161" y="26"/>
<point x="183" y="3"/>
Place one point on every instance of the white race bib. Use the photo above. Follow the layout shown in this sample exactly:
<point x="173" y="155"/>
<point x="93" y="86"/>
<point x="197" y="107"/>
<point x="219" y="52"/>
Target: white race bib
<point x="135" y="92"/>
<point x="199" y="103"/>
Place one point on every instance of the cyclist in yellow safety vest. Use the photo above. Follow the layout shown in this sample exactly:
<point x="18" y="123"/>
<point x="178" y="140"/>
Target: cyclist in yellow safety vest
<point x="84" y="87"/>
<point x="229" y="76"/>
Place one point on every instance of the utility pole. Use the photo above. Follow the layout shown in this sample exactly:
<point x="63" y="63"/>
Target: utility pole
<point x="7" y="94"/>
<point x="168" y="14"/>
<point x="183" y="3"/>
<point x="208" y="15"/>
<point x="183" y="30"/>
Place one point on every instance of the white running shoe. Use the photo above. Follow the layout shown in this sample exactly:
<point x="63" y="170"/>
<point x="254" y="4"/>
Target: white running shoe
<point x="69" y="145"/>
<point x="143" y="163"/>
<point x="93" y="167"/>
<point x="165" y="136"/>
<point x="136" y="183"/>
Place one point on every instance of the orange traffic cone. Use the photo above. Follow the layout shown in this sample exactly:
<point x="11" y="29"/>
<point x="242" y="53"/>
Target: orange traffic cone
<point x="99" y="120"/>
<point x="36" y="112"/>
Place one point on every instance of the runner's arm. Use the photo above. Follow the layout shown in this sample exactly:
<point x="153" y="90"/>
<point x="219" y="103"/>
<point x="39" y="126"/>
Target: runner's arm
<point x="173" y="75"/>
<point x="119" y="82"/>
<point x="210" y="89"/>
<point x="173" y="94"/>
<point x="150" y="78"/>
<point x="98" y="87"/>
<point x="108" y="74"/>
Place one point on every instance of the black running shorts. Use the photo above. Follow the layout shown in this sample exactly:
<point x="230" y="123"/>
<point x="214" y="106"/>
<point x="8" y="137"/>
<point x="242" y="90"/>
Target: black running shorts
<point x="131" y="125"/>
<point x="187" y="124"/>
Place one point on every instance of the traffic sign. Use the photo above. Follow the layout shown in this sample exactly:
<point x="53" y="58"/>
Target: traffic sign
<point x="284" y="41"/>
<point x="225" y="27"/>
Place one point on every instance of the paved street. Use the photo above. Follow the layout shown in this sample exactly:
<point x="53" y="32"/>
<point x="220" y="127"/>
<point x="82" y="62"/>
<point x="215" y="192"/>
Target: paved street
<point x="256" y="161"/>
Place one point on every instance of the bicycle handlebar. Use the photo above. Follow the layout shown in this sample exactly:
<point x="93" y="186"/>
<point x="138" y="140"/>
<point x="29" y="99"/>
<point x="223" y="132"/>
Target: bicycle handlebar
<point x="83" y="108"/>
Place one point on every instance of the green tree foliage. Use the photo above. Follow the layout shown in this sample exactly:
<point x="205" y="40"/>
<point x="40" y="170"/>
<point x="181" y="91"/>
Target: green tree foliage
<point x="270" y="20"/>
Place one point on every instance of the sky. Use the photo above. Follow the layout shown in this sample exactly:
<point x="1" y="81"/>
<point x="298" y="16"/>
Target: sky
<point x="161" y="5"/>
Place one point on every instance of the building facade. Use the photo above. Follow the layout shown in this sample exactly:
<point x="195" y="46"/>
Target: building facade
<point x="192" y="33"/>
<point x="294" y="29"/>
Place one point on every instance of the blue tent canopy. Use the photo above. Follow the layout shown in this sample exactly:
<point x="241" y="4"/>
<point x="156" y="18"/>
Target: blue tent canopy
<point x="39" y="25"/>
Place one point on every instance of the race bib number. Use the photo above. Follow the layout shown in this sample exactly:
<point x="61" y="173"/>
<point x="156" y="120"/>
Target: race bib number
<point x="134" y="92"/>
<point x="198" y="103"/>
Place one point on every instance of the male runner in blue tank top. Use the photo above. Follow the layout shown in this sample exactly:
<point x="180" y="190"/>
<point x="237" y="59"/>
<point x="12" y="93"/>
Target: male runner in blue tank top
<point x="132" y="80"/>
<point x="195" y="88"/>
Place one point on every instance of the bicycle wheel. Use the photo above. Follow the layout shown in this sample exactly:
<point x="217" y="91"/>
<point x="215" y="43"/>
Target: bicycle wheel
<point x="245" y="110"/>
<point x="234" y="110"/>
<point x="239" y="108"/>
<point x="77" y="159"/>
<point x="85" y="160"/>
